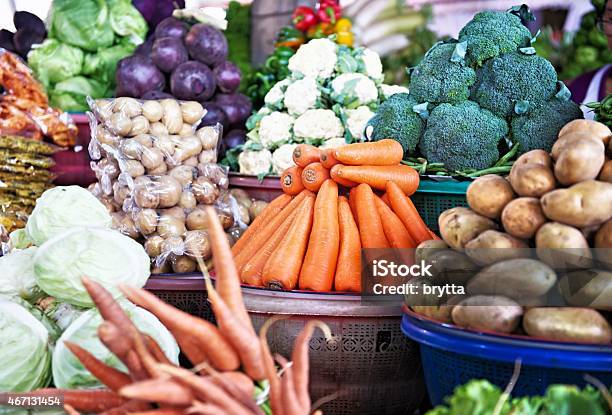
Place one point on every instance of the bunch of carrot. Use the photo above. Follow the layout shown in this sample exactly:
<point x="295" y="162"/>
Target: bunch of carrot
<point x="311" y="236"/>
<point x="228" y="358"/>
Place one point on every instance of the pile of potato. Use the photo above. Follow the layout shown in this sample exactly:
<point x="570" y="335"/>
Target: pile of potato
<point x="541" y="235"/>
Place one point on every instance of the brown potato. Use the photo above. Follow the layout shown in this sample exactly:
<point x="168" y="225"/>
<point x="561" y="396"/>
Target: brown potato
<point x="256" y="208"/>
<point x="450" y="267"/>
<point x="187" y="200"/>
<point x="120" y="124"/>
<point x="146" y="197"/>
<point x="173" y="245"/>
<point x="605" y="175"/>
<point x="182" y="264"/>
<point x="226" y="219"/>
<point x="487" y="195"/>
<point x="146" y="221"/>
<point x="191" y="161"/>
<point x="209" y="137"/>
<point x="140" y="125"/>
<point x="532" y="180"/>
<point x="491" y="313"/>
<point x="571" y="324"/>
<point x="593" y="128"/>
<point x="493" y="246"/>
<point x="425" y="249"/>
<point x="534" y="157"/>
<point x="151" y="158"/>
<point x="120" y="193"/>
<point x="197" y="244"/>
<point x="580" y="162"/>
<point x="131" y="148"/>
<point x="192" y="112"/>
<point x="134" y="168"/>
<point x="169" y="190"/>
<point x="164" y="144"/>
<point x="107" y="168"/>
<point x="128" y="106"/>
<point x="159" y="170"/>
<point x="184" y="174"/>
<point x="460" y="225"/>
<point x="562" y="246"/>
<point x="439" y="313"/>
<point x="170" y="226"/>
<point x="172" y="117"/>
<point x="584" y="204"/>
<point x="523" y="217"/>
<point x="106" y="137"/>
<point x="197" y="220"/>
<point x="567" y="141"/>
<point x="153" y="245"/>
<point x="152" y="110"/>
<point x="163" y="268"/>
<point x="603" y="244"/>
<point x="204" y="191"/>
<point x="243" y="212"/>
<point x="128" y="228"/>
<point x="588" y="288"/>
<point x="144" y="139"/>
<point x="157" y="129"/>
<point x="176" y="211"/>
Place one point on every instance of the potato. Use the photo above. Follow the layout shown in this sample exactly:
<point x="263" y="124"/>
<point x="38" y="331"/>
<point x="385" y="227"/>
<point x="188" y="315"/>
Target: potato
<point x="187" y="147"/>
<point x="146" y="221"/>
<point x="427" y="248"/>
<point x="153" y="245"/>
<point x="151" y="158"/>
<point x="605" y="175"/>
<point x="451" y="267"/>
<point x="567" y="141"/>
<point x="152" y="110"/>
<point x="593" y="128"/>
<point x="191" y="161"/>
<point x="185" y="130"/>
<point x="488" y="195"/>
<point x="493" y="246"/>
<point x="116" y="218"/>
<point x="169" y="190"/>
<point x="215" y="173"/>
<point x="603" y="244"/>
<point x="128" y="227"/>
<point x="172" y="117"/>
<point x="192" y="112"/>
<point x="226" y="219"/>
<point x="134" y="168"/>
<point x="532" y="180"/>
<point x="173" y="245"/>
<point x="514" y="278"/>
<point x="131" y="148"/>
<point x="534" y="157"/>
<point x="523" y="217"/>
<point x="492" y="313"/>
<point x="146" y="197"/>
<point x="158" y="129"/>
<point x="128" y="106"/>
<point x="170" y="226"/>
<point x="460" y="225"/>
<point x="144" y="139"/>
<point x="182" y="264"/>
<point x="207" y="156"/>
<point x="209" y="137"/>
<point x="562" y="246"/>
<point x="120" y="124"/>
<point x="240" y="194"/>
<point x="163" y="268"/>
<point x="143" y="180"/>
<point x="120" y="193"/>
<point x="107" y="168"/>
<point x="176" y="211"/>
<point x="159" y="170"/>
<point x="106" y="137"/>
<point x="197" y="244"/>
<point x="165" y="145"/>
<point x="140" y="125"/>
<point x="439" y="313"/>
<point x="587" y="288"/>
<point x="204" y="191"/>
<point x="256" y="208"/>
<point x="584" y="204"/>
<point x="104" y="108"/>
<point x="184" y="174"/>
<point x="571" y="324"/>
<point x="187" y="200"/>
<point x="581" y="162"/>
<point x="197" y="220"/>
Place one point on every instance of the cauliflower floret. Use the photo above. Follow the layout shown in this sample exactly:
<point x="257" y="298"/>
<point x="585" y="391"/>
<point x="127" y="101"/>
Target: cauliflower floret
<point x="357" y="121"/>
<point x="333" y="143"/>
<point x="255" y="162"/>
<point x="354" y="86"/>
<point x="315" y="59"/>
<point x="318" y="124"/>
<point x="274" y="97"/>
<point x="389" y="90"/>
<point x="373" y="65"/>
<point x="275" y="128"/>
<point x="282" y="158"/>
<point x="301" y="96"/>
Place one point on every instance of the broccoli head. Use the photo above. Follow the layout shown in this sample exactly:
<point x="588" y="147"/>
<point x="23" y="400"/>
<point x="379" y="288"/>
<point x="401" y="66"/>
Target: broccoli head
<point x="514" y="82"/>
<point x="396" y="119"/>
<point x="491" y="33"/>
<point x="539" y="128"/>
<point x="463" y="136"/>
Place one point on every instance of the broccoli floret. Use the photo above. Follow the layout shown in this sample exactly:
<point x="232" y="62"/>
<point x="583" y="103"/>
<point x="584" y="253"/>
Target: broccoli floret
<point x="396" y="119"/>
<point x="438" y="79"/>
<point x="539" y="129"/>
<point x="514" y="81"/>
<point x="491" y="33"/>
<point x="463" y="136"/>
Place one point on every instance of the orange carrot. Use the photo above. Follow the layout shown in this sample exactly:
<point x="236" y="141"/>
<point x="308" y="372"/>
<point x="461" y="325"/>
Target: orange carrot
<point x="115" y="341"/>
<point x="273" y="208"/>
<point x="109" y="376"/>
<point x="385" y="152"/>
<point x="385" y="198"/>
<point x="314" y="175"/>
<point x="87" y="400"/>
<point x="377" y="177"/>
<point x="240" y="380"/>
<point x="395" y="231"/>
<point x="155" y="350"/>
<point x="283" y="267"/>
<point x="273" y="379"/>
<point x="163" y="391"/>
<point x="348" y="269"/>
<point x="343" y="182"/>
<point x="304" y="154"/>
<point x="291" y="404"/>
<point x="129" y="407"/>
<point x="319" y="264"/>
<point x="370" y="226"/>
<point x="160" y="411"/>
<point x="352" y="198"/>
<point x="200" y="408"/>
<point x="291" y="180"/>
<point x="405" y="210"/>
<point x="433" y="235"/>
<point x="327" y="158"/>
<point x="108" y="307"/>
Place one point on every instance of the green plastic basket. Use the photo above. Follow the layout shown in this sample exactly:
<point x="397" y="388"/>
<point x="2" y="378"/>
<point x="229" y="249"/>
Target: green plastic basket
<point x="434" y="197"/>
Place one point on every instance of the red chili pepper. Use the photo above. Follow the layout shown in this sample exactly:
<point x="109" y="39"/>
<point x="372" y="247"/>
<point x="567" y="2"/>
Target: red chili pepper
<point x="329" y="11"/>
<point x="304" y="18"/>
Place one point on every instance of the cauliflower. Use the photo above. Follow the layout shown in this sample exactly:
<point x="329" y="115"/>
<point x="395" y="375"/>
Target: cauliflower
<point x="315" y="59"/>
<point x="274" y="97"/>
<point x="333" y="143"/>
<point x="349" y="87"/>
<point x="373" y="65"/>
<point x="357" y="120"/>
<point x="318" y="124"/>
<point x="275" y="128"/>
<point x="301" y="96"/>
<point x="389" y="90"/>
<point x="255" y="162"/>
<point x="282" y="158"/>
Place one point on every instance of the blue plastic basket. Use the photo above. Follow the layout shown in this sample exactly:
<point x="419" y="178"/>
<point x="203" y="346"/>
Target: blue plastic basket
<point x="453" y="356"/>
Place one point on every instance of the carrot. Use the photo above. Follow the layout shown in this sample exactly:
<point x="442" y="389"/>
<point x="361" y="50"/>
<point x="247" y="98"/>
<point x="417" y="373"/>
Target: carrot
<point x="264" y="234"/>
<point x="155" y="349"/>
<point x="108" y="307"/>
<point x="352" y="198"/>
<point x="395" y="231"/>
<point x="70" y="410"/>
<point x="109" y="376"/>
<point x="160" y="411"/>
<point x="327" y="158"/>
<point x="275" y="395"/>
<point x="145" y="356"/>
<point x="188" y="329"/>
<point x="314" y="175"/>
<point x="241" y="381"/>
<point x="377" y="177"/>
<point x="116" y="342"/>
<point x="91" y="400"/>
<point x="434" y="235"/>
<point x="304" y="154"/>
<point x="291" y="403"/>
<point x="191" y="349"/>
<point x="385" y="198"/>
<point x="334" y="175"/>
<point x="370" y="225"/>
<point x="385" y="152"/>
<point x="273" y="208"/>
<point x="319" y="264"/>
<point x="405" y="210"/>
<point x="291" y="180"/>
<point x="163" y="391"/>
<point x="348" y="269"/>
<point x="283" y="267"/>
<point x="128" y="408"/>
<point x="204" y="409"/>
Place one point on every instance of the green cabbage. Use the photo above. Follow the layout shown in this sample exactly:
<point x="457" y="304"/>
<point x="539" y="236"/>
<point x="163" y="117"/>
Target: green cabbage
<point x="82" y="23"/>
<point x="17" y="274"/>
<point x="71" y="94"/>
<point x="19" y="239"/>
<point x="102" y="65"/>
<point x="68" y="371"/>
<point x="53" y="61"/>
<point x="24" y="350"/>
<point x="127" y="21"/>
<point x="62" y="208"/>
<point x="104" y="255"/>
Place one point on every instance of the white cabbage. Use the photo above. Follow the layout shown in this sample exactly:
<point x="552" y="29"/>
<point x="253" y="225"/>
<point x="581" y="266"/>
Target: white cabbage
<point x="17" y="274"/>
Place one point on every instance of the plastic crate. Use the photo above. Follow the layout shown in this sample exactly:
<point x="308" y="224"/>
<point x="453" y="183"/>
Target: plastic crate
<point x="434" y="197"/>
<point x="453" y="356"/>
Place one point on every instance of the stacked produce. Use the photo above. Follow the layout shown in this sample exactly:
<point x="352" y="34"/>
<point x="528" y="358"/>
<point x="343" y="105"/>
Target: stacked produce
<point x="86" y="40"/>
<point x="218" y="353"/>
<point x="561" y="205"/>
<point x="30" y="30"/>
<point x="473" y="98"/>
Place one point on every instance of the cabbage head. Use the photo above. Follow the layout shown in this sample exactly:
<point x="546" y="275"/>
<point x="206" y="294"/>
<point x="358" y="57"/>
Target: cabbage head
<point x="71" y="94"/>
<point x="62" y="208"/>
<point x="103" y="255"/>
<point x="68" y="371"/>
<point x="54" y="61"/>
<point x="17" y="274"/>
<point x="126" y="20"/>
<point x="24" y="350"/>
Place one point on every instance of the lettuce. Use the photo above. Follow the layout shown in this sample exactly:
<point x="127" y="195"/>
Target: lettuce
<point x="71" y="94"/>
<point x="53" y="61"/>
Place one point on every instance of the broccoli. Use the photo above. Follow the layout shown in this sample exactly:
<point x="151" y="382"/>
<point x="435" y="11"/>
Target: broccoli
<point x="491" y="33"/>
<point x="539" y="129"/>
<point x="462" y="136"/>
<point x="395" y="118"/>
<point x="514" y="82"/>
<point x="437" y="79"/>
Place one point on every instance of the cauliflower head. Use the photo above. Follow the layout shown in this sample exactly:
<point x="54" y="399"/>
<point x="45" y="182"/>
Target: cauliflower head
<point x="315" y="59"/>
<point x="301" y="95"/>
<point x="357" y="120"/>
<point x="282" y="158"/>
<point x="274" y="97"/>
<point x="389" y="90"/>
<point x="318" y="124"/>
<point x="255" y="162"/>
<point x="275" y="128"/>
<point x="333" y="143"/>
<point x="350" y="87"/>
<point x="372" y="65"/>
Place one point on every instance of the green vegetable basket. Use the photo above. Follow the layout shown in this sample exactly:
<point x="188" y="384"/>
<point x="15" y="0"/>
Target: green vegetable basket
<point x="434" y="197"/>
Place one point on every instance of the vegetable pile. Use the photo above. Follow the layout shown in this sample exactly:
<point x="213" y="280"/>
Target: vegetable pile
<point x="30" y="31"/>
<point x="471" y="99"/>
<point x="311" y="237"/>
<point x="86" y="40"/>
<point x="561" y="205"/>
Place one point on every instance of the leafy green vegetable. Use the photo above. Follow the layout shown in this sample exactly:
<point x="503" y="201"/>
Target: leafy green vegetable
<point x="125" y="20"/>
<point x="101" y="65"/>
<point x="82" y="23"/>
<point x="53" y="61"/>
<point x="70" y="94"/>
<point x="18" y="280"/>
<point x="238" y="35"/>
